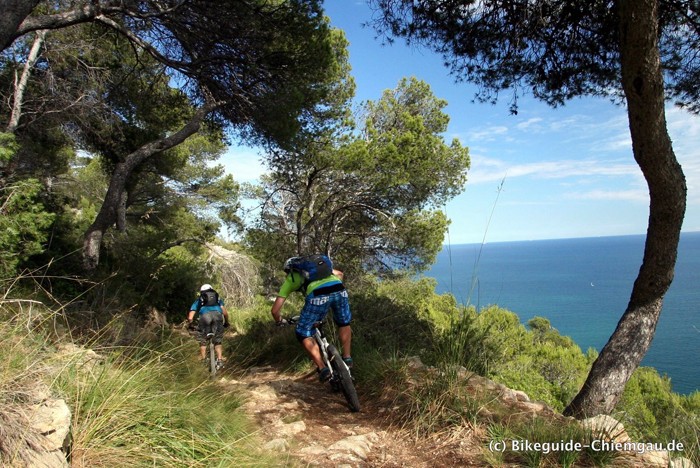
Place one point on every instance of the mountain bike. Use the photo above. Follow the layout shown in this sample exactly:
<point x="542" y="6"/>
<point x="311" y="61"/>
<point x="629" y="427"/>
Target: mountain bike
<point x="210" y="357"/>
<point x="341" y="377"/>
<point x="210" y="361"/>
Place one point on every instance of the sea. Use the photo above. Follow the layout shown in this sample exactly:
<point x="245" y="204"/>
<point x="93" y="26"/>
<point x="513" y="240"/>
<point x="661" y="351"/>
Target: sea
<point x="583" y="287"/>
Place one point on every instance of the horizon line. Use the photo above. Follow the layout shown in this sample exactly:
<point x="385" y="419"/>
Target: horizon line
<point x="447" y="244"/>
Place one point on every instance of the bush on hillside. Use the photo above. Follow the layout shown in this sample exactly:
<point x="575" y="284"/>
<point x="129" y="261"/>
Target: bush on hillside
<point x="24" y="224"/>
<point x="651" y="411"/>
<point x="540" y="362"/>
<point x="400" y="315"/>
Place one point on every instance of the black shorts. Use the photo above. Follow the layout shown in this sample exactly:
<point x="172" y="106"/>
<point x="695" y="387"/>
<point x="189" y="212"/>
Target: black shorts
<point x="211" y="322"/>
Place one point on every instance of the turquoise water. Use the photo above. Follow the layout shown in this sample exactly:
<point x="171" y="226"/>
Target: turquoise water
<point x="582" y="286"/>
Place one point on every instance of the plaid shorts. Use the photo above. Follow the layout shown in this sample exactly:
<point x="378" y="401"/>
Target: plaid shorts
<point x="316" y="308"/>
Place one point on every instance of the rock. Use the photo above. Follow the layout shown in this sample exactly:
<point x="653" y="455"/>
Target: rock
<point x="531" y="406"/>
<point x="277" y="445"/>
<point x="607" y="428"/>
<point x="459" y="371"/>
<point x="291" y="428"/>
<point x="313" y="450"/>
<point x="263" y="393"/>
<point x="359" y="445"/>
<point x="477" y="382"/>
<point x="52" y="419"/>
<point x="681" y="463"/>
<point x="83" y="357"/>
<point x="414" y="363"/>
<point x="155" y="319"/>
<point x="655" y="458"/>
<point x="346" y="457"/>
<point x="521" y="396"/>
<point x="47" y="460"/>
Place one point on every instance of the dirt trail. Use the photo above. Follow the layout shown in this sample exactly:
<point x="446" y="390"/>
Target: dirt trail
<point x="302" y="417"/>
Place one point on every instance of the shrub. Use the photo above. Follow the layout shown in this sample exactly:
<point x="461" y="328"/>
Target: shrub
<point x="651" y="411"/>
<point x="24" y="224"/>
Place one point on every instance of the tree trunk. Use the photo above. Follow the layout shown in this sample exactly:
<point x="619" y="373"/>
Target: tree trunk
<point x="643" y="86"/>
<point x="13" y="13"/>
<point x="121" y="211"/>
<point x="108" y="214"/>
<point x="21" y="84"/>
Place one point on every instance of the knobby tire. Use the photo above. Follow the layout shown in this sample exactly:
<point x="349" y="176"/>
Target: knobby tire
<point x="345" y="378"/>
<point x="212" y="359"/>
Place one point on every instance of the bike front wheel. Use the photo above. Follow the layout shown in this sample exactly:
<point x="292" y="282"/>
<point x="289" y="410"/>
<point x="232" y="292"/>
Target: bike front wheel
<point x="340" y="369"/>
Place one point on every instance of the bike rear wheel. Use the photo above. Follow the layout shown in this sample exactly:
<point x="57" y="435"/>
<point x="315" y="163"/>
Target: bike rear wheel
<point x="344" y="377"/>
<point x="212" y="360"/>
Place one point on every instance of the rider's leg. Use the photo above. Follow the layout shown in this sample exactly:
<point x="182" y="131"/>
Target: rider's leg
<point x="314" y="309"/>
<point x="345" y="335"/>
<point x="217" y="328"/>
<point x="314" y="353"/>
<point x="202" y="338"/>
<point x="342" y="317"/>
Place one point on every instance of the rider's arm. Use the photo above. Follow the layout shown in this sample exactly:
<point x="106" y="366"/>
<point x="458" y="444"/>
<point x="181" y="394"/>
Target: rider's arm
<point x="277" y="307"/>
<point x="291" y="283"/>
<point x="193" y="310"/>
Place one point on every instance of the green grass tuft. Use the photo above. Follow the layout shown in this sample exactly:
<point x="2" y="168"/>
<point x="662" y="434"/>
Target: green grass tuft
<point x="146" y="404"/>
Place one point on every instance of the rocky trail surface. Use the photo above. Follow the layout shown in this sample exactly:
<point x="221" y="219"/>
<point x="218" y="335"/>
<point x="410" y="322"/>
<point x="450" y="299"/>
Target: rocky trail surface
<point x="306" y="420"/>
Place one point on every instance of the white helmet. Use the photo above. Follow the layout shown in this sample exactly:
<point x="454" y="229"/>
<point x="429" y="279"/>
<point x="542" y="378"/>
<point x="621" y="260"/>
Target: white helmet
<point x="206" y="287"/>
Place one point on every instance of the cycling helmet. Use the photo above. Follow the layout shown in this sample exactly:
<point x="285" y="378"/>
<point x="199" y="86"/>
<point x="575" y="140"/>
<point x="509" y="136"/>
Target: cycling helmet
<point x="288" y="264"/>
<point x="206" y="287"/>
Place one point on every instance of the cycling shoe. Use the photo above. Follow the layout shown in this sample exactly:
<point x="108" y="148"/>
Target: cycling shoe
<point x="324" y="374"/>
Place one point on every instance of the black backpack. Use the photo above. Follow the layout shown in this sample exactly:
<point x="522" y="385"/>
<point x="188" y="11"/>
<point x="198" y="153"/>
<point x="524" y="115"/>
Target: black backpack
<point x="208" y="298"/>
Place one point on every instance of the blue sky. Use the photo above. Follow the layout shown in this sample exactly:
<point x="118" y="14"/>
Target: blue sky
<point x="565" y="172"/>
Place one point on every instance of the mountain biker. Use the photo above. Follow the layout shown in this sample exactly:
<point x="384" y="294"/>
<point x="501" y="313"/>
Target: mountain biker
<point x="320" y="295"/>
<point x="213" y="318"/>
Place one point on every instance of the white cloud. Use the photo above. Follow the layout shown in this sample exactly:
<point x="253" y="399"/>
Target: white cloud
<point x="486" y="133"/>
<point x="530" y="124"/>
<point x="684" y="129"/>
<point x="243" y="163"/>
<point x="613" y="195"/>
<point x="571" y="124"/>
<point x="491" y="169"/>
